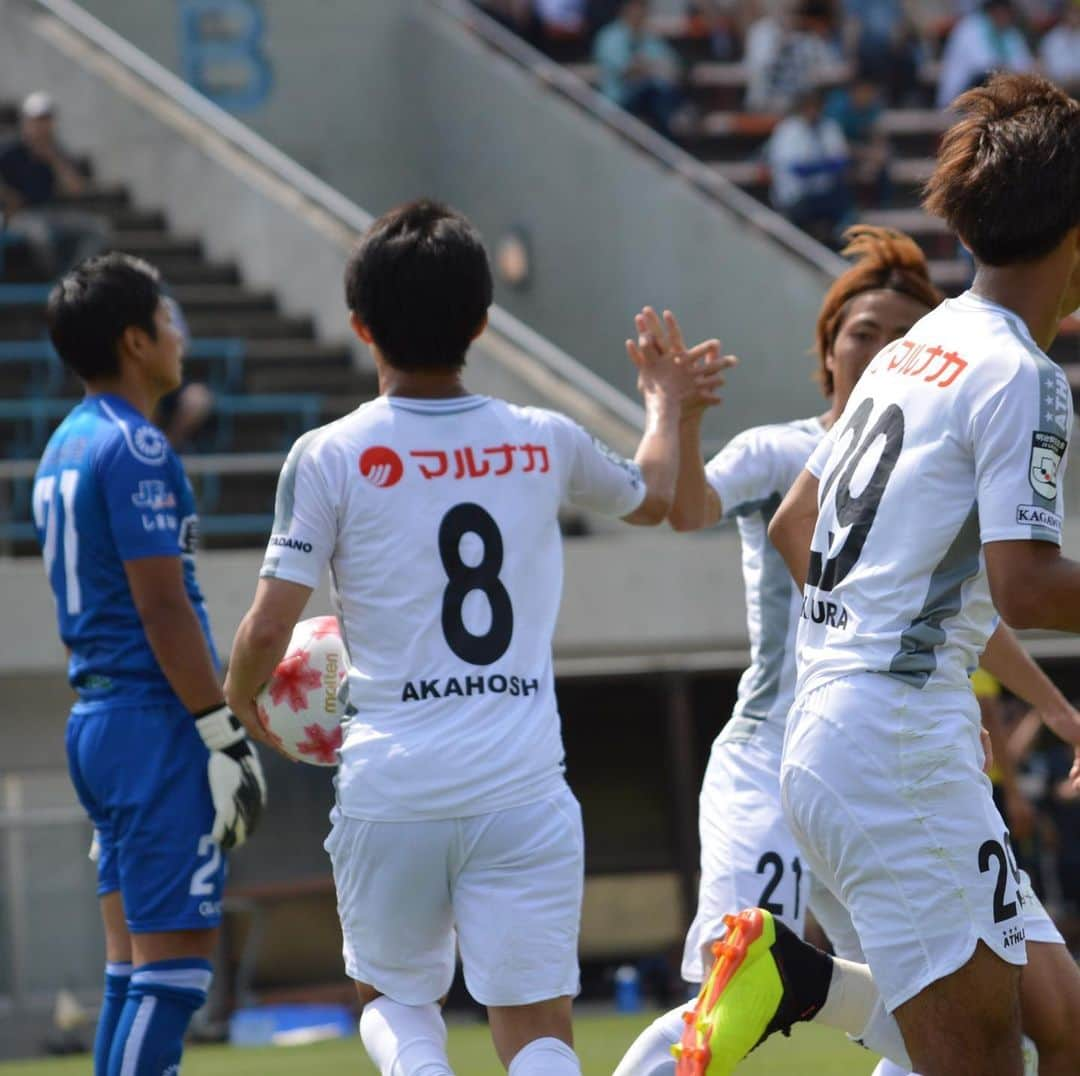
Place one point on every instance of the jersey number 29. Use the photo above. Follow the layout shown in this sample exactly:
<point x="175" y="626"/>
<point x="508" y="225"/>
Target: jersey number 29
<point x="463" y="579"/>
<point x="857" y="512"/>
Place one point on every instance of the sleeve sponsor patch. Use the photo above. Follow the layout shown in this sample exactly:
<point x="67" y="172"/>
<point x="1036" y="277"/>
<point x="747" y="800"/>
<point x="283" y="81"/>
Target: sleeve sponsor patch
<point x="1047" y="451"/>
<point x="631" y="468"/>
<point x="1031" y="515"/>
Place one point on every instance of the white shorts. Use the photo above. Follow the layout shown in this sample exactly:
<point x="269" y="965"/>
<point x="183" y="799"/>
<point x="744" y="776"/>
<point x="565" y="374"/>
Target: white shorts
<point x="749" y="857"/>
<point x="507" y="887"/>
<point x="883" y="788"/>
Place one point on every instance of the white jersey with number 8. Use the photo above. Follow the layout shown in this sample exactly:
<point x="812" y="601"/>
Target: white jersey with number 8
<point x="955" y="436"/>
<point x="439" y="521"/>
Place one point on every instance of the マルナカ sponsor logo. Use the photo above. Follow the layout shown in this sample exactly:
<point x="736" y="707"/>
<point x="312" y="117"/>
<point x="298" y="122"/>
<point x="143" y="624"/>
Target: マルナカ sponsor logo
<point x="934" y="365"/>
<point x="1031" y="515"/>
<point x="381" y="466"/>
<point x="1047" y="452"/>
<point x="283" y="541"/>
<point x="451" y="686"/>
<point x="495" y="461"/>
<point x="824" y="611"/>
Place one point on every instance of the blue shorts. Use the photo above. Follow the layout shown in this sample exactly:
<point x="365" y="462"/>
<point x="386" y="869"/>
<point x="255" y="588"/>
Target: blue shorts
<point x="140" y="772"/>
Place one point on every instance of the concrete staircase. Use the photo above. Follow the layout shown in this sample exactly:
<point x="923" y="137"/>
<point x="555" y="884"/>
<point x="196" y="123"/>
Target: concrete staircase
<point x="271" y="377"/>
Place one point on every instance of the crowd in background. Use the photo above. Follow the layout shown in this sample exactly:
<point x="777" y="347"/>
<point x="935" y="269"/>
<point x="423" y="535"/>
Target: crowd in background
<point x="827" y="69"/>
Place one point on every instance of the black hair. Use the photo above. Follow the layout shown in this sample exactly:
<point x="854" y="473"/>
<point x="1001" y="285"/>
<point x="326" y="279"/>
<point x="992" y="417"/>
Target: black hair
<point x="419" y="280"/>
<point x="91" y="306"/>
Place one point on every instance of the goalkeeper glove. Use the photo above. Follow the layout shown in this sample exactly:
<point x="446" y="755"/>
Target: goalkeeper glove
<point x="237" y="785"/>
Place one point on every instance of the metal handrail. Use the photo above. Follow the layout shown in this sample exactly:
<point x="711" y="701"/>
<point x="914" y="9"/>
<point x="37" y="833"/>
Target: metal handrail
<point x="321" y="194"/>
<point x="696" y="172"/>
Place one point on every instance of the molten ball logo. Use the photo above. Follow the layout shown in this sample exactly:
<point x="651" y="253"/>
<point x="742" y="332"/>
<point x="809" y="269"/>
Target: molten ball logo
<point x="381" y="466"/>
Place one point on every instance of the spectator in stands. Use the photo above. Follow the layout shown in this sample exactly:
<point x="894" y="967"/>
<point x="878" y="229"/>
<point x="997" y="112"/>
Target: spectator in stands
<point x="516" y="15"/>
<point x="788" y="53"/>
<point x="563" y="18"/>
<point x="809" y="160"/>
<point x="33" y="171"/>
<point x="858" y="108"/>
<point x="719" y="20"/>
<point x="639" y="70"/>
<point x="182" y="414"/>
<point x="1059" y="53"/>
<point x="987" y="40"/>
<point x="880" y="37"/>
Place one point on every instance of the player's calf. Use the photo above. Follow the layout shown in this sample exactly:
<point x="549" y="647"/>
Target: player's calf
<point x="535" y="1040"/>
<point x="966" y="1022"/>
<point x="1050" y="1004"/>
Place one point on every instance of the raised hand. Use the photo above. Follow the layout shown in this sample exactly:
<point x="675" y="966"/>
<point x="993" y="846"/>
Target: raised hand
<point x="667" y="368"/>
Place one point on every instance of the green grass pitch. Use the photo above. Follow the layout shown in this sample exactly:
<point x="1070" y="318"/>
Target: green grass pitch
<point x="601" y="1040"/>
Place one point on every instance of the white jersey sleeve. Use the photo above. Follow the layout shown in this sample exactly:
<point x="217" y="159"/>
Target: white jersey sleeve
<point x="748" y="470"/>
<point x="596" y="477"/>
<point x="305" y="520"/>
<point x="1019" y="438"/>
<point x="820" y="456"/>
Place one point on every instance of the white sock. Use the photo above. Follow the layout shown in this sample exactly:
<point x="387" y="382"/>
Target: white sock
<point x="544" y="1057"/>
<point x="851" y="998"/>
<point x="650" y="1055"/>
<point x="882" y="1036"/>
<point x="405" y="1040"/>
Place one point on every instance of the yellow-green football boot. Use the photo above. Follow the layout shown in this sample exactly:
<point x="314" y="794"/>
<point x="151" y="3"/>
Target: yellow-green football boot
<point x="764" y="979"/>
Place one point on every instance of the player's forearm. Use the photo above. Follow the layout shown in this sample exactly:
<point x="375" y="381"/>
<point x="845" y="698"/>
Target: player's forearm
<point x="258" y="647"/>
<point x="1007" y="660"/>
<point x="695" y="504"/>
<point x="176" y="638"/>
<point x="658" y="458"/>
<point x="1033" y="586"/>
<point x="999" y="743"/>
<point x="792" y="527"/>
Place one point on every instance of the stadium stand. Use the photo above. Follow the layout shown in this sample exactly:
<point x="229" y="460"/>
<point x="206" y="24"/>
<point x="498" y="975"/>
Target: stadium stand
<point x="731" y="139"/>
<point x="271" y="378"/>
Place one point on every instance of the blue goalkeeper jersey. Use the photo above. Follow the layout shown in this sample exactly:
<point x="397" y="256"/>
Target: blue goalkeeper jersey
<point x="109" y="489"/>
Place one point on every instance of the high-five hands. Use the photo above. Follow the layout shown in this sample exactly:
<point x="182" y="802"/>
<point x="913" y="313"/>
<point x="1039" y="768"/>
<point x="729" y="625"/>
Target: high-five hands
<point x="693" y="376"/>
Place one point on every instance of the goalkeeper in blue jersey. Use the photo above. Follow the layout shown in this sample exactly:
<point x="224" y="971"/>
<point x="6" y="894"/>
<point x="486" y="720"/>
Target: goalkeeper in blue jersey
<point x="162" y="767"/>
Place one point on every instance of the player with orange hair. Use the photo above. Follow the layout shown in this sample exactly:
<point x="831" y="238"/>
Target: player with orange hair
<point x="748" y="855"/>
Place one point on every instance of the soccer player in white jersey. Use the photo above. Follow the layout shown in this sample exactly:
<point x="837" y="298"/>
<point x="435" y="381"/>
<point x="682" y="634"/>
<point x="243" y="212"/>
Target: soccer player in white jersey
<point x="936" y="498"/>
<point x="748" y="855"/>
<point x="436" y="511"/>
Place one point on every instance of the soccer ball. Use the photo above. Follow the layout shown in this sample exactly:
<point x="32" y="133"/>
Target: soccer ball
<point x="299" y="707"/>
